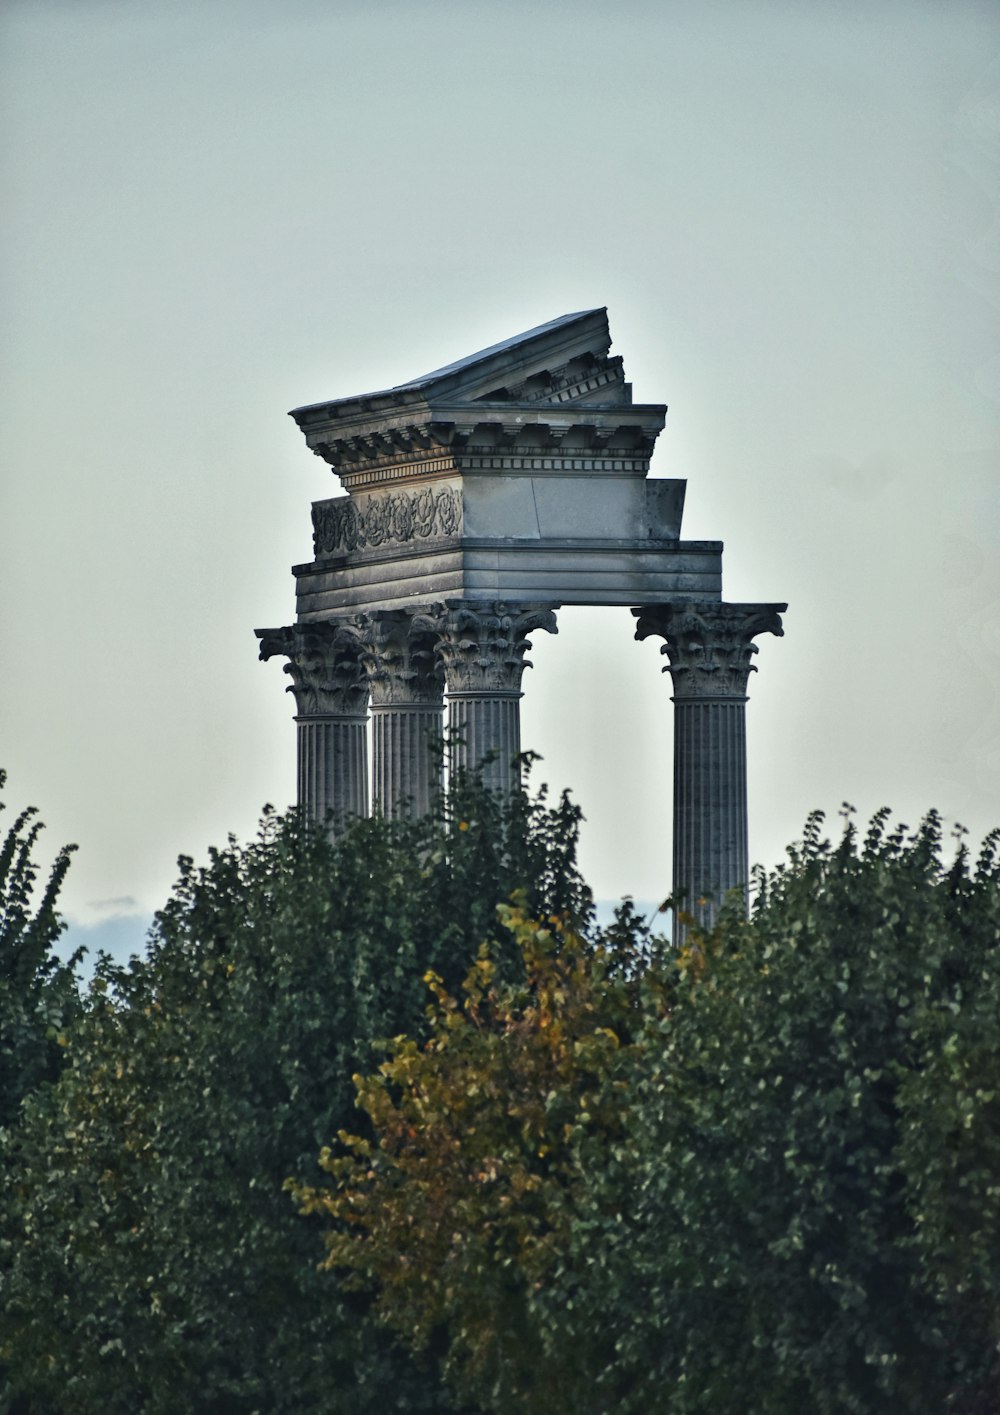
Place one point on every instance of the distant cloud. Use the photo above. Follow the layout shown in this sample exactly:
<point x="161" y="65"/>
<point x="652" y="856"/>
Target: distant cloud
<point x="117" y="926"/>
<point x="124" y="904"/>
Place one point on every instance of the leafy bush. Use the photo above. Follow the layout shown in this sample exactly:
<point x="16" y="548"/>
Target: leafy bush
<point x="462" y="1206"/>
<point x="154" y="1262"/>
<point x="763" y="1178"/>
<point x="757" y="1176"/>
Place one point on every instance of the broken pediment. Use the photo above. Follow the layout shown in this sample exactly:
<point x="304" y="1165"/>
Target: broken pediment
<point x="552" y="390"/>
<point x="564" y="361"/>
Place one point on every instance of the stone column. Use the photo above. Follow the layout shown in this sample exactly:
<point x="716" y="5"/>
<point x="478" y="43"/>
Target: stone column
<point x="709" y="647"/>
<point x="331" y="699"/>
<point x="407" y="702"/>
<point x="483" y="647"/>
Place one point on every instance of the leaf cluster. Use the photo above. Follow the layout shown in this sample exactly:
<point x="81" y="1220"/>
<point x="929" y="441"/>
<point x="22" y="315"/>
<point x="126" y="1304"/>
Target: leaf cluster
<point x="463" y="1206"/>
<point x="37" y="989"/>
<point x="153" y="1261"/>
<point x="776" y="1191"/>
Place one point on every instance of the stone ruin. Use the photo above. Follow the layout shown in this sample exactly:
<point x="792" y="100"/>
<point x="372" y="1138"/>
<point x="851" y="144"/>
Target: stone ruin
<point x="481" y="499"/>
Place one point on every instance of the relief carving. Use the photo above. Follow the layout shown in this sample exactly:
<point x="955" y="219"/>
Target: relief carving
<point x="327" y="674"/>
<point x="395" y="517"/>
<point x="482" y="646"/>
<point x="709" y="645"/>
<point x="396" y="653"/>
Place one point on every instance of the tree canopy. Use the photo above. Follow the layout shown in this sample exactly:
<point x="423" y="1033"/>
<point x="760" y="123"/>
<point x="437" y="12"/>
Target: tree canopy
<point x="152" y="1260"/>
<point x="758" y="1175"/>
<point x="462" y="1205"/>
<point x="552" y="1167"/>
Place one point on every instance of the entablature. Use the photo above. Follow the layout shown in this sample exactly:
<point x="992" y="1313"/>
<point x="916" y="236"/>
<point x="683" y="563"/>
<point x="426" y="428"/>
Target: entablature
<point x="555" y="387"/>
<point x="398" y="442"/>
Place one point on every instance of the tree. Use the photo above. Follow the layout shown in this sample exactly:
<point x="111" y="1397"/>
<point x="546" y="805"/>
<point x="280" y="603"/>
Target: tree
<point x="780" y="1228"/>
<point x="37" y="989"/>
<point x="784" y="1197"/>
<point x="462" y="1204"/>
<point x="154" y="1261"/>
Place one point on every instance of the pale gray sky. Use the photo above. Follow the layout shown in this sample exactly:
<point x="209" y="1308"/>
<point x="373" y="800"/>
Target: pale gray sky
<point x="214" y="213"/>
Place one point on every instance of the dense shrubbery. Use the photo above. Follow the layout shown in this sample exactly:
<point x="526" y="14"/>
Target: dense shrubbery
<point x="152" y="1261"/>
<point x="760" y="1176"/>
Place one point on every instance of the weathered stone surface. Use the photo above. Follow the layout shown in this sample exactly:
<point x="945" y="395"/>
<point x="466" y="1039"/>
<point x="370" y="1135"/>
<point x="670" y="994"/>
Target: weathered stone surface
<point x="480" y="498"/>
<point x="709" y="647"/>
<point x="482" y="649"/>
<point x="332" y="760"/>
<point x="324" y="665"/>
<point x="520" y="473"/>
<point x="331" y="698"/>
<point x="556" y="571"/>
<point x="347" y="524"/>
<point x="407" y="691"/>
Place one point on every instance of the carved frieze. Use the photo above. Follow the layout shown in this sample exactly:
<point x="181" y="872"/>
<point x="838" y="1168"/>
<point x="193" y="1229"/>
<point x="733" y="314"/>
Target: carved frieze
<point x="350" y="523"/>
<point x="324" y="666"/>
<point x="709" y="644"/>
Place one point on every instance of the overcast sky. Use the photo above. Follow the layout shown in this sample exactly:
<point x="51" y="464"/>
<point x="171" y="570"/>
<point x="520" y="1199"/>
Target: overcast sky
<point x="214" y="213"/>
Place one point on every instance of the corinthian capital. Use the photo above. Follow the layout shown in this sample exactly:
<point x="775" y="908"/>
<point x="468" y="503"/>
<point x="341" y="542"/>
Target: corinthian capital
<point x="396" y="651"/>
<point x="483" y="646"/>
<point x="323" y="664"/>
<point x="709" y="644"/>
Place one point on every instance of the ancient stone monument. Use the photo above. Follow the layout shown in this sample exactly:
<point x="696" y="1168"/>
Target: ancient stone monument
<point x="482" y="498"/>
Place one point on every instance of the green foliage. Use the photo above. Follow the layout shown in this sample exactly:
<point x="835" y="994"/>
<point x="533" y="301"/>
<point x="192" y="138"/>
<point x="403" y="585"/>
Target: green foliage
<point x="154" y="1262"/>
<point x="37" y="990"/>
<point x="774" y="1231"/>
<point x="464" y="1206"/>
<point x="757" y="1176"/>
<point x="785" y="1195"/>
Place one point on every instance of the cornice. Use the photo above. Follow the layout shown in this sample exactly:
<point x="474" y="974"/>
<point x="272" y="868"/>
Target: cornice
<point x="446" y="435"/>
<point x="554" y="387"/>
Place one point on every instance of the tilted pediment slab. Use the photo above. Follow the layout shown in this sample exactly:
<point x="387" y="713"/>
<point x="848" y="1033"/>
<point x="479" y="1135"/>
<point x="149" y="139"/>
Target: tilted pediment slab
<point x="512" y="362"/>
<point x="553" y="384"/>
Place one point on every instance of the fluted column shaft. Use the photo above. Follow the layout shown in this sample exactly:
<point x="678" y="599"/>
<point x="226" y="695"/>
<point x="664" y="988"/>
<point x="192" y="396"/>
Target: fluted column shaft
<point x="407" y="705"/>
<point x="482" y="648"/>
<point x="484" y="733"/>
<point x="333" y="766"/>
<point x="406" y="758"/>
<point x="331" y="695"/>
<point x="709" y="646"/>
<point x="710" y="803"/>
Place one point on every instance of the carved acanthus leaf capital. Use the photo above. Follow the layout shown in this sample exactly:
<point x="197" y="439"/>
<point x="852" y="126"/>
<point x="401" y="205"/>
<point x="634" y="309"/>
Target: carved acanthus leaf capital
<point x="483" y="646"/>
<point x="397" y="654"/>
<point x="709" y="644"/>
<point x="324" y="666"/>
